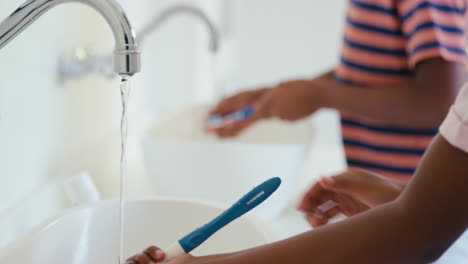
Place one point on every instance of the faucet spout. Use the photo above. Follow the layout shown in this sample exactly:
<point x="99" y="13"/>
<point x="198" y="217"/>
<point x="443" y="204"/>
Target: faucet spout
<point x="126" y="54"/>
<point x="182" y="9"/>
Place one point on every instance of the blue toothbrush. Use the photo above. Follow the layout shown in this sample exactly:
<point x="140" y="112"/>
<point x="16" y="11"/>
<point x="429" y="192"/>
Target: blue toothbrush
<point x="247" y="203"/>
<point x="216" y="121"/>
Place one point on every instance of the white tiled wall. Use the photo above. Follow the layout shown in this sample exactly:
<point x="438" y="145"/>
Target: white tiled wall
<point x="274" y="40"/>
<point x="43" y="123"/>
<point x="31" y="104"/>
<point x="51" y="130"/>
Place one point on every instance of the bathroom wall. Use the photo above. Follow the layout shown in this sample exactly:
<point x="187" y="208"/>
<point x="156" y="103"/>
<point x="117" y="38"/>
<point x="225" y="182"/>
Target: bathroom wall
<point x="51" y="130"/>
<point x="45" y="124"/>
<point x="274" y="40"/>
<point x="31" y="103"/>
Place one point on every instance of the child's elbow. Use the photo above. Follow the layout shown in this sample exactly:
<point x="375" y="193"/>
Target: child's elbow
<point x="424" y="245"/>
<point x="433" y="254"/>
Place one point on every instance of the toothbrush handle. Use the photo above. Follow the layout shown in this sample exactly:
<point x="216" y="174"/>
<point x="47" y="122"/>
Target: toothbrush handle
<point x="173" y="251"/>
<point x="243" y="114"/>
<point x="245" y="204"/>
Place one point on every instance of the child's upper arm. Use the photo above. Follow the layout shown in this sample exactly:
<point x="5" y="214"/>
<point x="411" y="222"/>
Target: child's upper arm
<point x="437" y="197"/>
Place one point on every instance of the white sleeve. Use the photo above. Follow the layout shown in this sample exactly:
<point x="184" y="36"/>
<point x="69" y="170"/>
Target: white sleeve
<point x="455" y="127"/>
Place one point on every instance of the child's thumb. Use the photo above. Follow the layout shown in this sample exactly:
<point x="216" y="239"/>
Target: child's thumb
<point x="339" y="184"/>
<point x="328" y="183"/>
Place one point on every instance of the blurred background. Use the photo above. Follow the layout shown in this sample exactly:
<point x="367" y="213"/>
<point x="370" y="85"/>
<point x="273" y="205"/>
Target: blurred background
<point x="55" y="129"/>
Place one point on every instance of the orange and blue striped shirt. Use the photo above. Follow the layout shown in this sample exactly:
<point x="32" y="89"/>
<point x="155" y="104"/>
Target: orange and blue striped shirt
<point x="384" y="40"/>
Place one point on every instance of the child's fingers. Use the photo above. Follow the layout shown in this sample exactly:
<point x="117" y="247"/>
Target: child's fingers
<point x="314" y="198"/>
<point x="224" y="107"/>
<point x="328" y="214"/>
<point x="133" y="262"/>
<point x="139" y="259"/>
<point x="346" y="183"/>
<point x="233" y="129"/>
<point x="234" y="125"/>
<point x="310" y="206"/>
<point x="315" y="221"/>
<point x="321" y="219"/>
<point x="310" y="200"/>
<point x="350" y="206"/>
<point x="155" y="253"/>
<point x="233" y="104"/>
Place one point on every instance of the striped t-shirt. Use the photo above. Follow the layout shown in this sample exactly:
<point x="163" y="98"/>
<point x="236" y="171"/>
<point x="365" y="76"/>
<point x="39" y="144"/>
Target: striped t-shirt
<point x="383" y="42"/>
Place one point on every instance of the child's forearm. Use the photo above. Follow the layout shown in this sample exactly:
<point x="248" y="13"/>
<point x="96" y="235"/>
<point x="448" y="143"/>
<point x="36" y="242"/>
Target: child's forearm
<point x="421" y="102"/>
<point x="416" y="228"/>
<point x="358" y="240"/>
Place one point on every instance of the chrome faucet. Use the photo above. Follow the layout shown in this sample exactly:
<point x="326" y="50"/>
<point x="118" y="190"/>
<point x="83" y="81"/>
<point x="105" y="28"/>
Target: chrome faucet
<point x="126" y="54"/>
<point x="182" y="9"/>
<point x="83" y="61"/>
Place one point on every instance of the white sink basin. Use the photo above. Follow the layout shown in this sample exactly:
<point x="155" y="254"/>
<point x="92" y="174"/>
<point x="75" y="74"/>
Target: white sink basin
<point x="184" y="161"/>
<point x="90" y="234"/>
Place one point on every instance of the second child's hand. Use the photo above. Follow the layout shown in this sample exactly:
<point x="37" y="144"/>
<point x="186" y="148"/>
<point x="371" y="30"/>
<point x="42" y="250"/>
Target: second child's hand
<point x="288" y="101"/>
<point x="354" y="192"/>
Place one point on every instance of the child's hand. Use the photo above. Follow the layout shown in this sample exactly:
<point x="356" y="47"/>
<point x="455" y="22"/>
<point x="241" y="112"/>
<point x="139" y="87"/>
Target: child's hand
<point x="233" y="104"/>
<point x="354" y="192"/>
<point x="288" y="101"/>
<point x="154" y="254"/>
